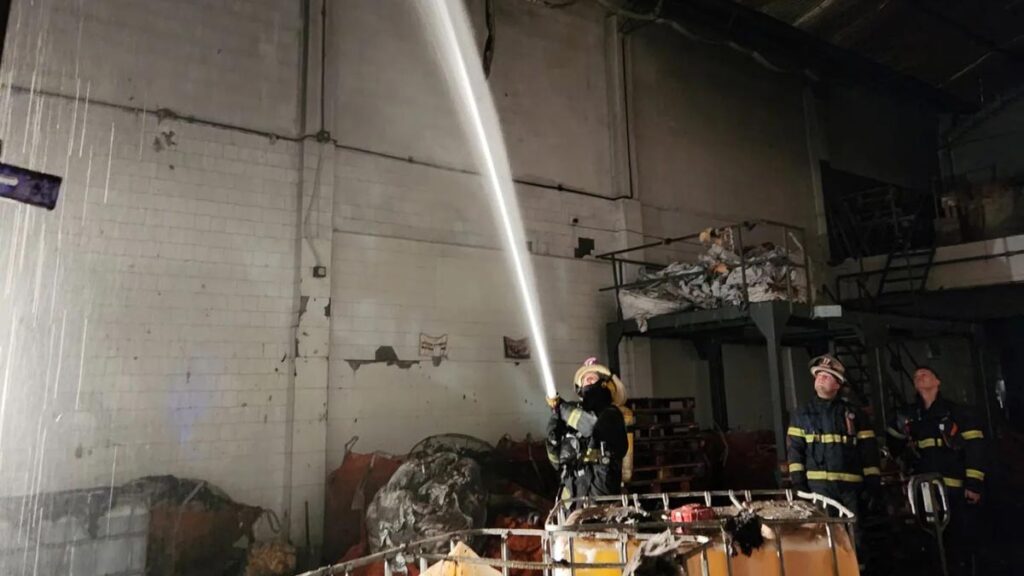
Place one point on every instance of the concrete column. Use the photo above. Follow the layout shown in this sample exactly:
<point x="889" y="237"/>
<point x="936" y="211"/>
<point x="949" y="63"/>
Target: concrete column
<point x="307" y="403"/>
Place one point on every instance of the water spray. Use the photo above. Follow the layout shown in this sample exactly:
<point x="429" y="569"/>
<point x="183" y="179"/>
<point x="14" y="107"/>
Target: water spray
<point x="453" y="37"/>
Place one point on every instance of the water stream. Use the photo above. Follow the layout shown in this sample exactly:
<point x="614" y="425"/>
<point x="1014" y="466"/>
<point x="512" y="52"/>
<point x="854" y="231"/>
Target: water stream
<point x="452" y="34"/>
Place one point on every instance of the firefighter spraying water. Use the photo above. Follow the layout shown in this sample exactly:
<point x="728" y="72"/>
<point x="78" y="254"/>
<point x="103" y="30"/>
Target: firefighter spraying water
<point x="587" y="440"/>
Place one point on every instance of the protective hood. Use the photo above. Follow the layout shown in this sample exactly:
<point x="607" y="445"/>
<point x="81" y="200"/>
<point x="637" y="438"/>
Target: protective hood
<point x="608" y="380"/>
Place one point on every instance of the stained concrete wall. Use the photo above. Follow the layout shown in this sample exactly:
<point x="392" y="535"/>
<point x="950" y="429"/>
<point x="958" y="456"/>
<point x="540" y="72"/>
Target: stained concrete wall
<point x="111" y="544"/>
<point x="715" y="138"/>
<point x="718" y="138"/>
<point x="146" y="322"/>
<point x="417" y="248"/>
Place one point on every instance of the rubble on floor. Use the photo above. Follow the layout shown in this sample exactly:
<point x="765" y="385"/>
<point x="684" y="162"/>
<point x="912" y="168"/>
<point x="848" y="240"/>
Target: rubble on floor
<point x="508" y="486"/>
<point x="156" y="525"/>
<point x="270" y="559"/>
<point x="193" y="525"/>
<point x="717" y="279"/>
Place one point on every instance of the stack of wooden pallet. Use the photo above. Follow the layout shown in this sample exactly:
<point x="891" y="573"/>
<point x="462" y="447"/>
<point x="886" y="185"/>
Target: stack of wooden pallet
<point x="668" y="451"/>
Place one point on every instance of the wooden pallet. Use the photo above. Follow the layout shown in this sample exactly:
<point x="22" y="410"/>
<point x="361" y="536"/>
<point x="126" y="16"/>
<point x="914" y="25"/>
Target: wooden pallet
<point x="666" y="431"/>
<point x="675" y="404"/>
<point x="644" y="458"/>
<point x="678" y="484"/>
<point x="654" y="473"/>
<point x="663" y="411"/>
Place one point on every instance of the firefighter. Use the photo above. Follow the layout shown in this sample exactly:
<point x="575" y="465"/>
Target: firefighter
<point x="943" y="437"/>
<point x="586" y="440"/>
<point x="832" y="448"/>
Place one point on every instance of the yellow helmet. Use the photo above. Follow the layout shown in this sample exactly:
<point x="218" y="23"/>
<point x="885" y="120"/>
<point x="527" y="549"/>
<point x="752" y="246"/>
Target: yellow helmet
<point x="608" y="380"/>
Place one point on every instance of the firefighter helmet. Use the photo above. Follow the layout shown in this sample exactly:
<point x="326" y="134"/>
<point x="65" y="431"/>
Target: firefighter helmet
<point x="830" y="365"/>
<point x="605" y="378"/>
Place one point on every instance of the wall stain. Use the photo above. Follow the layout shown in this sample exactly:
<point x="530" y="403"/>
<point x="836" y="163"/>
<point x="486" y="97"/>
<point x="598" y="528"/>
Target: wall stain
<point x="385" y="354"/>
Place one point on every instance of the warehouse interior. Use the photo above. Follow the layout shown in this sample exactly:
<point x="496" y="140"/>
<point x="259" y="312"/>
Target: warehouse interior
<point x="266" y="261"/>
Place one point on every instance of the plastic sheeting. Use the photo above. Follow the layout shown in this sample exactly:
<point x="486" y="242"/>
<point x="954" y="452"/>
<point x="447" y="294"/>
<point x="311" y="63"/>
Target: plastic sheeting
<point x="716" y="280"/>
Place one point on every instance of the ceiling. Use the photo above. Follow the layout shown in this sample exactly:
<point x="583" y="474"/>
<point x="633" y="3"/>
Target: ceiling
<point x="973" y="50"/>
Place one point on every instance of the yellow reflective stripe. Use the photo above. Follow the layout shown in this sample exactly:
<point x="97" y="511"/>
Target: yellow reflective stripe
<point x="865" y="434"/>
<point x="975" y="474"/>
<point x="872" y="471"/>
<point x="930" y="443"/>
<point x="829" y="438"/>
<point x="833" y="476"/>
<point x="952" y="482"/>
<point x="574" y="417"/>
<point x="593" y="455"/>
<point x="823" y="438"/>
<point x="796" y="467"/>
<point x="973" y="435"/>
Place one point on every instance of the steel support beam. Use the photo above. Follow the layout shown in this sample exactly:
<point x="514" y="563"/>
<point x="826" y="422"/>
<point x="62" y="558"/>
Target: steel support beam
<point x="771" y="318"/>
<point x="981" y="391"/>
<point x="613" y="332"/>
<point x="876" y="338"/>
<point x="710" y="350"/>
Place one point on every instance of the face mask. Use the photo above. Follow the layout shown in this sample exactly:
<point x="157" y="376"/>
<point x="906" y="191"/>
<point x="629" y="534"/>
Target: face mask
<point x="596" y="396"/>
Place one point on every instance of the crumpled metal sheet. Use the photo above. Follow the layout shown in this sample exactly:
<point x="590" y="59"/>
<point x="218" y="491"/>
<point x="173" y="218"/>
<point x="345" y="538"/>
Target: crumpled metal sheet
<point x="432" y="493"/>
<point x="716" y="280"/>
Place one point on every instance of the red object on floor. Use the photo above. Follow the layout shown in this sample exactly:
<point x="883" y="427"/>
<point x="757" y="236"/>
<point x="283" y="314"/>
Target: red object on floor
<point x="523" y="548"/>
<point x="692" y="513"/>
<point x="350" y="489"/>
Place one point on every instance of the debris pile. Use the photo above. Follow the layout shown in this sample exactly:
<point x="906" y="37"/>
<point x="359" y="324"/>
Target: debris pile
<point x="188" y="526"/>
<point x="436" y="491"/>
<point x="193" y="525"/>
<point x="447" y="483"/>
<point x="270" y="559"/>
<point x="718" y="278"/>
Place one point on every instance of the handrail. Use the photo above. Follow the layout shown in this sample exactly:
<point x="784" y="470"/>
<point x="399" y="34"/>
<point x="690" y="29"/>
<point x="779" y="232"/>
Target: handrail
<point x="618" y="270"/>
<point x="417" y="550"/>
<point x="1003" y="254"/>
<point x="424" y="550"/>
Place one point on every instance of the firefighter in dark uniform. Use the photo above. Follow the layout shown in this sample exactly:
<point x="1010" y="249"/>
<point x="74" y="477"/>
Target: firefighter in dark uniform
<point x="942" y="437"/>
<point x="832" y="448"/>
<point x="586" y="440"/>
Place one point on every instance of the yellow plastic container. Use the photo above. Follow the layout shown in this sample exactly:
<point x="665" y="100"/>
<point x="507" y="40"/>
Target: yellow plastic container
<point x="805" y="550"/>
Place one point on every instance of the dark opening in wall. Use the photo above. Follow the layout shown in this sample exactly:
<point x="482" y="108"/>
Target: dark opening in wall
<point x="867" y="217"/>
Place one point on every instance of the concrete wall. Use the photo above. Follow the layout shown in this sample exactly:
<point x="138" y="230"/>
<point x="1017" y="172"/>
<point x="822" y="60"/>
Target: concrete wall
<point x="111" y="544"/>
<point x="715" y="138"/>
<point x="991" y="149"/>
<point x="879" y="136"/>
<point x="718" y="138"/>
<point x="416" y="248"/>
<point x="146" y="321"/>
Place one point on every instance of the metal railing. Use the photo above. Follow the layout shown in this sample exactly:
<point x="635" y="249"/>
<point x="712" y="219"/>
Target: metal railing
<point x="558" y="535"/>
<point x="420" y="553"/>
<point x="832" y="514"/>
<point x="790" y="235"/>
